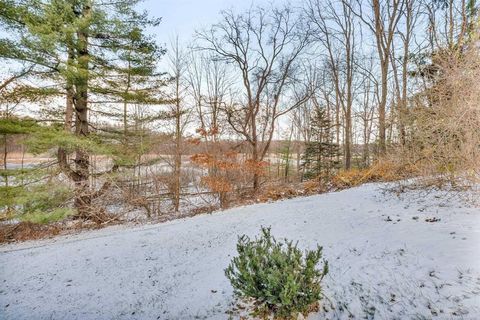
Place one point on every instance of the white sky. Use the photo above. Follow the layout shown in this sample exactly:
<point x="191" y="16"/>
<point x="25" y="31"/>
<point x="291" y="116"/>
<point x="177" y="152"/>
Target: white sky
<point x="183" y="17"/>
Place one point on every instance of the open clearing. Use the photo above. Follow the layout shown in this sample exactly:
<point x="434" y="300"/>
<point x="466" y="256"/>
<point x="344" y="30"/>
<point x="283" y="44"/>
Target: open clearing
<point x="386" y="261"/>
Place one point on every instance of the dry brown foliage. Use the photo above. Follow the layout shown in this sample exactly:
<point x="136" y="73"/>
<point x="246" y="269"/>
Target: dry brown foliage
<point x="382" y="170"/>
<point x="228" y="172"/>
<point x="277" y="192"/>
<point x="27" y="231"/>
<point x="217" y="184"/>
<point x="444" y="122"/>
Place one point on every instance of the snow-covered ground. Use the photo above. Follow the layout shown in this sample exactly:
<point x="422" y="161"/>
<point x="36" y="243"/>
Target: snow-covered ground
<point x="386" y="261"/>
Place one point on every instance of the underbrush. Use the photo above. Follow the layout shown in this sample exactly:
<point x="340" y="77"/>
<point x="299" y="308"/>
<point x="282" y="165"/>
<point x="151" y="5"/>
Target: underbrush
<point x="28" y="230"/>
<point x="36" y="203"/>
<point x="380" y="171"/>
<point x="54" y="215"/>
<point x="23" y="231"/>
<point x="48" y="205"/>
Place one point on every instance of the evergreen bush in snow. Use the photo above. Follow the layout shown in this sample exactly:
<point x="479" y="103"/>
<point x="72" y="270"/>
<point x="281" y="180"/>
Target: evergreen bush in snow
<point x="279" y="278"/>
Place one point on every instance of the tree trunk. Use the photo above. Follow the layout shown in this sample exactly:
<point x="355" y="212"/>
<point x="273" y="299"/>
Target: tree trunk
<point x="256" y="176"/>
<point x="178" y="159"/>
<point x="69" y="110"/>
<point x="5" y="154"/>
<point x="348" y="136"/>
<point x="83" y="196"/>
<point x="382" y="109"/>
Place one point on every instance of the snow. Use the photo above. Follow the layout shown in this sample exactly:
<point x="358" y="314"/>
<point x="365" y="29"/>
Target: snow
<point x="386" y="261"/>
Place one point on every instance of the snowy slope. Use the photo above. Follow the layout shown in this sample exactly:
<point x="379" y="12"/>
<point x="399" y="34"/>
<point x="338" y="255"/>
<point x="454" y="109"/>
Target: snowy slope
<point x="386" y="261"/>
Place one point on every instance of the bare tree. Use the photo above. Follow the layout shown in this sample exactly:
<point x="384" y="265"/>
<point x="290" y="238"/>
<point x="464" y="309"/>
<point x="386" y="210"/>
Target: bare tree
<point x="368" y="102"/>
<point x="209" y="83"/>
<point x="400" y="64"/>
<point x="336" y="33"/>
<point x="264" y="46"/>
<point x="382" y="19"/>
<point x="178" y="65"/>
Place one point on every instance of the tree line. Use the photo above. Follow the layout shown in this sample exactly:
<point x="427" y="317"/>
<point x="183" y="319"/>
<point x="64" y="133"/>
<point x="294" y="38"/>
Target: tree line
<point x="276" y="93"/>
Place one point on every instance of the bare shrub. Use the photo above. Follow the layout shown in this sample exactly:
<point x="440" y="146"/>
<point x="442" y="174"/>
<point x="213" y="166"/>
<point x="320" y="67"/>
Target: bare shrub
<point x="444" y="122"/>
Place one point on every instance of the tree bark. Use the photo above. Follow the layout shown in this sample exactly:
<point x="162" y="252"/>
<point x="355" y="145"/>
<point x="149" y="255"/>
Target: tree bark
<point x="83" y="196"/>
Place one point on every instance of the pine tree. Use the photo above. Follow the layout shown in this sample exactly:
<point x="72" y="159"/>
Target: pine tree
<point x="84" y="50"/>
<point x="320" y="157"/>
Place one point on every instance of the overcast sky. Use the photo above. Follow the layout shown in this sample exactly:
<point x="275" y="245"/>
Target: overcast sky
<point x="182" y="17"/>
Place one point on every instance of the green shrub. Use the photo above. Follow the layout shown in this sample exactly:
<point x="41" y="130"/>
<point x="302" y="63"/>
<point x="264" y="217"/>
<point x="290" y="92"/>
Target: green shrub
<point x="276" y="275"/>
<point x="47" y="217"/>
<point x="38" y="203"/>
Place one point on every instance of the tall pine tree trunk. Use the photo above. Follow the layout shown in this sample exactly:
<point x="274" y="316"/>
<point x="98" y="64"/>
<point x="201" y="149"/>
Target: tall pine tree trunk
<point x="69" y="87"/>
<point x="83" y="195"/>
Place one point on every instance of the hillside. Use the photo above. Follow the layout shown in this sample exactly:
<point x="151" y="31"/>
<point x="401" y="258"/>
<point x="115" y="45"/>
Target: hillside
<point x="415" y="256"/>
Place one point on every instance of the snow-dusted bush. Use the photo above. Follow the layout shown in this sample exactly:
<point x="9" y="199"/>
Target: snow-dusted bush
<point x="279" y="278"/>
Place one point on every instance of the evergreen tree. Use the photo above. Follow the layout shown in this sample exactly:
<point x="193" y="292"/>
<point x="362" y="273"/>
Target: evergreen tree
<point x="320" y="157"/>
<point x="84" y="50"/>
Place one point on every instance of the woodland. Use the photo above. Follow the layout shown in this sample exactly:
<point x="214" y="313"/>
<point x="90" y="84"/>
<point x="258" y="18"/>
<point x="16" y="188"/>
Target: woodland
<point x="102" y="124"/>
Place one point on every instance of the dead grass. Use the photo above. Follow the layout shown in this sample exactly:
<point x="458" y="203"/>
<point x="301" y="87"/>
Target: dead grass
<point x="277" y="192"/>
<point x="380" y="171"/>
<point x="27" y="231"/>
<point x="24" y="231"/>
